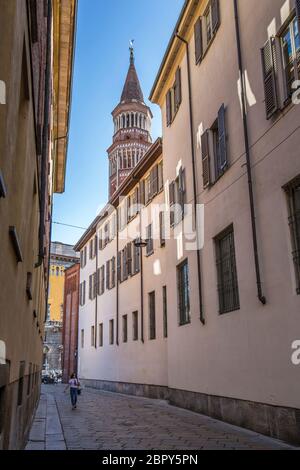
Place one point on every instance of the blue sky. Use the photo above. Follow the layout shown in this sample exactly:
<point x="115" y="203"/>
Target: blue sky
<point x="104" y="29"/>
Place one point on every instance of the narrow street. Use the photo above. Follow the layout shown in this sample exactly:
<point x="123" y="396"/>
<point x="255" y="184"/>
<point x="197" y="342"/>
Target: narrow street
<point x="110" y="421"/>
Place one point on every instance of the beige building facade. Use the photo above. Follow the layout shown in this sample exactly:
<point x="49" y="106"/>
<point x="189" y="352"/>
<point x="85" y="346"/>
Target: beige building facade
<point x="31" y="110"/>
<point x="227" y="88"/>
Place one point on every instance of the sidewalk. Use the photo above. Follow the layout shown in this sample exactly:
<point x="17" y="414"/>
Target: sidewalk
<point x="46" y="432"/>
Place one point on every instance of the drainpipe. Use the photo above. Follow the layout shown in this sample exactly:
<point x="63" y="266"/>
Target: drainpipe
<point x="117" y="279"/>
<point x="202" y="319"/>
<point x="260" y="295"/>
<point x="44" y="165"/>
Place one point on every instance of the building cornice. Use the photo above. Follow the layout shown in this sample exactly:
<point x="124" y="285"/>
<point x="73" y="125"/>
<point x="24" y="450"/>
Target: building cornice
<point x="183" y="25"/>
<point x="64" y="39"/>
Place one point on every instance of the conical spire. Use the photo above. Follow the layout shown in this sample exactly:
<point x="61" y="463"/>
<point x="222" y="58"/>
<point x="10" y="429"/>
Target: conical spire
<point x="132" y="88"/>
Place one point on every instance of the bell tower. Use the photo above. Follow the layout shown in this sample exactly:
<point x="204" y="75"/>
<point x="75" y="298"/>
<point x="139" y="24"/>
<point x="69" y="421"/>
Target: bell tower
<point x="132" y="129"/>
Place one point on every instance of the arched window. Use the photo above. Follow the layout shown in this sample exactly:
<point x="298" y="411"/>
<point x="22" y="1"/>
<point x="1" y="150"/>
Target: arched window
<point x="132" y="120"/>
<point x="140" y="123"/>
<point x="125" y="161"/>
<point x="123" y="121"/>
<point x="127" y="120"/>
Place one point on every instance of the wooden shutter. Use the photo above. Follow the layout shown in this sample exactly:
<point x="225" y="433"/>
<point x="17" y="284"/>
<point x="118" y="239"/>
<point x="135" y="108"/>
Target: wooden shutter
<point x="162" y="229"/>
<point x="102" y="279"/>
<point x="85" y="255"/>
<point x="84" y="288"/>
<point x="95" y="245"/>
<point x="91" y="249"/>
<point x="135" y="201"/>
<point x="119" y="278"/>
<point x="182" y="187"/>
<point x="178" y="95"/>
<point x="81" y="259"/>
<point x="169" y="108"/>
<point x="160" y="176"/>
<point x="101" y="240"/>
<point x="80" y="294"/>
<point x="129" y="259"/>
<point x="198" y="40"/>
<point x="94" y="285"/>
<point x="269" y="76"/>
<point x="172" y="201"/>
<point x="107" y="275"/>
<point x="215" y="15"/>
<point x="142" y="192"/>
<point x="155" y="180"/>
<point x="113" y="272"/>
<point x="222" y="154"/>
<point x="298" y="13"/>
<point x="205" y="159"/>
<point x="90" y="286"/>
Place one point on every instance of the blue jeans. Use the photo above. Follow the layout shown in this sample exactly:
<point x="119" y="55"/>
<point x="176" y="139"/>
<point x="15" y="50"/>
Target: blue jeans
<point x="73" y="393"/>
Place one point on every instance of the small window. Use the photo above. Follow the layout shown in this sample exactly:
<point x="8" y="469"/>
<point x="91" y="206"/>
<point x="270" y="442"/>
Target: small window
<point x="136" y="258"/>
<point x="135" y="326"/>
<point x="125" y="329"/>
<point x="82" y="339"/>
<point x="183" y="293"/>
<point x="290" y="43"/>
<point x="174" y="98"/>
<point x="227" y="272"/>
<point x="111" y="332"/>
<point x="152" y="322"/>
<point x="101" y="335"/>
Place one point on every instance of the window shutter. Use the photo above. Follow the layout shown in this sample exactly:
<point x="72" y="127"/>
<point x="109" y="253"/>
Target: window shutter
<point x="90" y="287"/>
<point x="178" y="95"/>
<point x="160" y="176"/>
<point x="95" y="245"/>
<point x="142" y="192"/>
<point x="182" y="187"/>
<point x="129" y="260"/>
<point x="155" y="181"/>
<point x="172" y="201"/>
<point x="113" y="272"/>
<point x="298" y="13"/>
<point x="85" y="255"/>
<point x="91" y="249"/>
<point x="102" y="279"/>
<point x="94" y="285"/>
<point x="107" y="274"/>
<point x="169" y="107"/>
<point x="269" y="75"/>
<point x="205" y="159"/>
<point x="84" y="289"/>
<point x="81" y="259"/>
<point x="198" y="40"/>
<point x="119" y="279"/>
<point x="215" y="14"/>
<point x="162" y="229"/>
<point x="222" y="163"/>
<point x="135" y="201"/>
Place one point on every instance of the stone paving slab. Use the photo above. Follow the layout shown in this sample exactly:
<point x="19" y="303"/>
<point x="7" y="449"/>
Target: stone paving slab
<point x="110" y="421"/>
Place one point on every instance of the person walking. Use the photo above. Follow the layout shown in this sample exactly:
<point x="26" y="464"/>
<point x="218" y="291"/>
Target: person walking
<point x="74" y="387"/>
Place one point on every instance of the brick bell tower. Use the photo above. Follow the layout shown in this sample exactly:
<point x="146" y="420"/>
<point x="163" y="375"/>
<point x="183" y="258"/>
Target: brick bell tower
<point x="132" y="130"/>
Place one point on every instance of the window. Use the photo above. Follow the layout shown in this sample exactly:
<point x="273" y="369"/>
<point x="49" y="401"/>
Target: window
<point x="281" y="65"/>
<point x="125" y="329"/>
<point x="85" y="255"/>
<point x="82" y="338"/>
<point x="135" y="326"/>
<point x="165" y="312"/>
<point x="227" y="272"/>
<point x="102" y="280"/>
<point x="293" y="194"/>
<point x="290" y="44"/>
<point x="92" y="336"/>
<point x="174" y="98"/>
<point x="183" y="293"/>
<point x="214" y="150"/>
<point x="101" y="335"/>
<point x="152" y="326"/>
<point x="206" y="28"/>
<point x="91" y="287"/>
<point x="111" y="332"/>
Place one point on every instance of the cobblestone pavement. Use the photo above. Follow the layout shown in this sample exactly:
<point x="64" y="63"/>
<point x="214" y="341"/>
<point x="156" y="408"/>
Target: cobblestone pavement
<point x="111" y="421"/>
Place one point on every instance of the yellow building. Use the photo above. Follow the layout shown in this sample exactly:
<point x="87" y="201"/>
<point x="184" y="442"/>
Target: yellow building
<point x="61" y="257"/>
